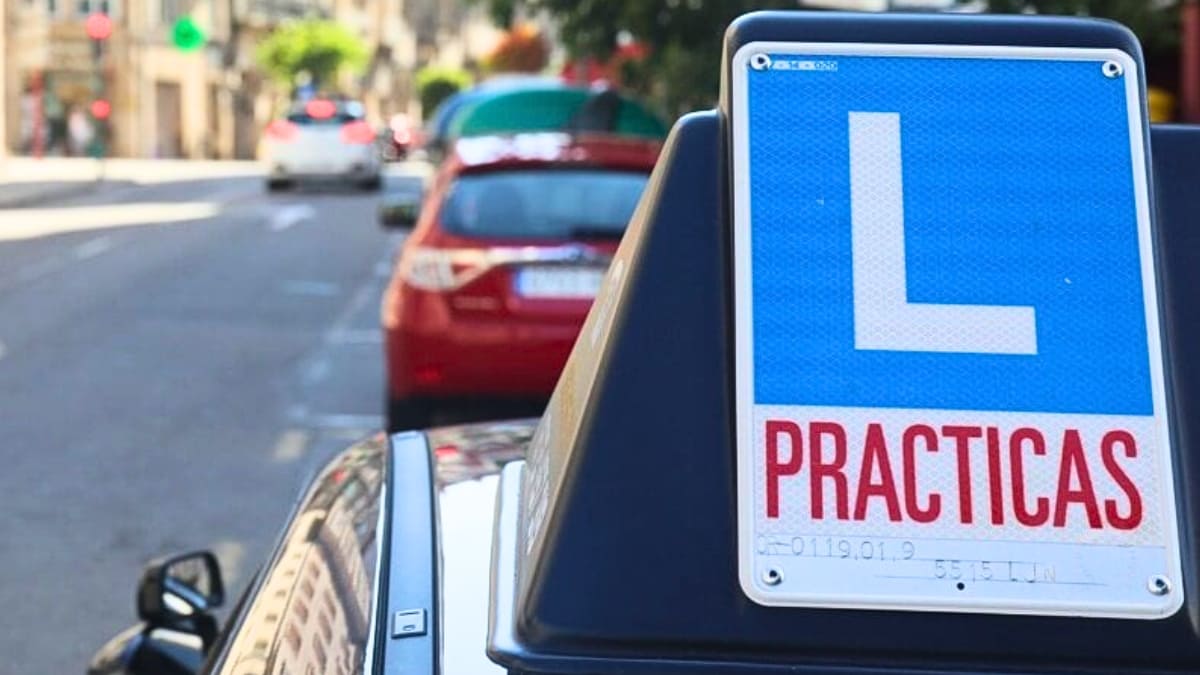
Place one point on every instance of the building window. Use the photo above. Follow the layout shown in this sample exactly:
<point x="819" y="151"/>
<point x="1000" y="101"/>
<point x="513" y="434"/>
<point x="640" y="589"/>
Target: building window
<point x="293" y="639"/>
<point x="85" y="7"/>
<point x="170" y="10"/>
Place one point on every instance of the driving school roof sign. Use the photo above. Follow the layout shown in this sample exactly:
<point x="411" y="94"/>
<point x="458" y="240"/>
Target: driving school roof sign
<point x="950" y="390"/>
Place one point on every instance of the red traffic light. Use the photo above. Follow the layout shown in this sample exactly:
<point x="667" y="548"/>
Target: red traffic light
<point x="98" y="26"/>
<point x="101" y="109"/>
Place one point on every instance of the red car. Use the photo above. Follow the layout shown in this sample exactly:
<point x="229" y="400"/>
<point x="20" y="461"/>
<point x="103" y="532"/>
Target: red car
<point x="492" y="286"/>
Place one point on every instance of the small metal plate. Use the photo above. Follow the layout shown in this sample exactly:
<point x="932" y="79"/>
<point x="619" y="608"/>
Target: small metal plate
<point x="408" y="623"/>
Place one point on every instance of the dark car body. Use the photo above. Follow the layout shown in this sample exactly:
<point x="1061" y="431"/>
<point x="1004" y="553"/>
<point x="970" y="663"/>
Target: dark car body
<point x="361" y="539"/>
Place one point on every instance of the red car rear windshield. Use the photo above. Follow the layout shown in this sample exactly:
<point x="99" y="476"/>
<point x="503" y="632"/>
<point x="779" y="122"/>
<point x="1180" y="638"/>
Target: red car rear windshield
<point x="543" y="204"/>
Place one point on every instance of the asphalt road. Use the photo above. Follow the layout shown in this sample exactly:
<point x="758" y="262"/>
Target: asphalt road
<point x="174" y="358"/>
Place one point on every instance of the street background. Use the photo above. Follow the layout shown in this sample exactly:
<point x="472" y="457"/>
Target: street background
<point x="174" y="358"/>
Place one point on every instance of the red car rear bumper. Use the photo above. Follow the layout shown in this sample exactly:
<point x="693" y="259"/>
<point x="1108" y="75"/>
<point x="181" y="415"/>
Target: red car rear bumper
<point x="433" y="352"/>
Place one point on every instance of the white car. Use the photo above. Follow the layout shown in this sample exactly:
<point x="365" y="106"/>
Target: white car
<point x="322" y="139"/>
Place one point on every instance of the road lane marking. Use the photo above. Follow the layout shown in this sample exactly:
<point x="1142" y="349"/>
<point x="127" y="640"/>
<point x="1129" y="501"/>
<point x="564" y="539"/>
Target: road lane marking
<point x="3" y="349"/>
<point x="290" y="446"/>
<point x="316" y="371"/>
<point x="93" y="248"/>
<point x="32" y="223"/>
<point x="323" y="289"/>
<point x="38" y="269"/>
<point x="231" y="555"/>
<point x="370" y="336"/>
<point x="361" y="297"/>
<point x="289" y="216"/>
<point x="347" y="425"/>
<point x="365" y="423"/>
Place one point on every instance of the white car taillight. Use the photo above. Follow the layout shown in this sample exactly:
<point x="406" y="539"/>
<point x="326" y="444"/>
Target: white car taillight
<point x="440" y="269"/>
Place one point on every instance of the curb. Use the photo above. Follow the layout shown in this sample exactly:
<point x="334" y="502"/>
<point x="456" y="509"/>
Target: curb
<point x="41" y="197"/>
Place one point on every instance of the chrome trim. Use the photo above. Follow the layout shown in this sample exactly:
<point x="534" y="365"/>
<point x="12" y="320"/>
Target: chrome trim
<point x="501" y="619"/>
<point x="369" y="661"/>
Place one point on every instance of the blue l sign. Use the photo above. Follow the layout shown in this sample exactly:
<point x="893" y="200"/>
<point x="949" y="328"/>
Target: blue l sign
<point x="948" y="343"/>
<point x="970" y="220"/>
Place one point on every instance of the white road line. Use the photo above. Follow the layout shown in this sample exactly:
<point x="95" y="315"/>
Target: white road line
<point x="361" y="297"/>
<point x="3" y="349"/>
<point x="290" y="215"/>
<point x="290" y="446"/>
<point x="324" y="289"/>
<point x="366" y="423"/>
<point x="38" y="269"/>
<point x="92" y="248"/>
<point x="231" y="554"/>
<point x="355" y="337"/>
<point x="316" y="371"/>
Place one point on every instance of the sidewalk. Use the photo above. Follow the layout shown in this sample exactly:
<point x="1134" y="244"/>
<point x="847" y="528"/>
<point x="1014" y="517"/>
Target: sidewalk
<point x="25" y="181"/>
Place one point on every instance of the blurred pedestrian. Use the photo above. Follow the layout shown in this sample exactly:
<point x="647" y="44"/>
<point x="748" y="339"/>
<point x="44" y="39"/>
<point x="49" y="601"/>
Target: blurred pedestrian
<point x="80" y="131"/>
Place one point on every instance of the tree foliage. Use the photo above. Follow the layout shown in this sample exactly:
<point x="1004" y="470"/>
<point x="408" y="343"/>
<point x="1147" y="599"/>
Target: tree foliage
<point x="520" y="50"/>
<point x="316" y="46"/>
<point x="1156" y="23"/>
<point x="435" y="84"/>
<point x="682" y="69"/>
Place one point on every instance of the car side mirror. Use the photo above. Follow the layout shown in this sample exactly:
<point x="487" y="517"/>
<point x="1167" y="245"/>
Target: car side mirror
<point x="178" y="592"/>
<point x="174" y="599"/>
<point x="399" y="210"/>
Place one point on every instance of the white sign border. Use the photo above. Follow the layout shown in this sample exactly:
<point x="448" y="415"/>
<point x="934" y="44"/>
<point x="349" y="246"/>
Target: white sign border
<point x="744" y="330"/>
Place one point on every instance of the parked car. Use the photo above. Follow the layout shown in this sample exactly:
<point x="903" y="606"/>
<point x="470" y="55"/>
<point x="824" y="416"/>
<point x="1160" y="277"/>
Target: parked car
<point x="489" y="292"/>
<point x="322" y="140"/>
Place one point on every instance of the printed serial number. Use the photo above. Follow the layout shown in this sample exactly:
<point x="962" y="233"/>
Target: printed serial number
<point x="1011" y="571"/>
<point x="836" y="547"/>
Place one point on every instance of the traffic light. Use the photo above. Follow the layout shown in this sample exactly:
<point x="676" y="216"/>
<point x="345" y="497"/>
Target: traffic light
<point x="98" y="26"/>
<point x="100" y="109"/>
<point x="187" y="35"/>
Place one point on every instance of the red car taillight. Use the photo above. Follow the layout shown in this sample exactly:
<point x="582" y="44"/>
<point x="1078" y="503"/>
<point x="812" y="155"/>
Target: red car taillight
<point x="282" y="130"/>
<point x="358" y="133"/>
<point x="442" y="269"/>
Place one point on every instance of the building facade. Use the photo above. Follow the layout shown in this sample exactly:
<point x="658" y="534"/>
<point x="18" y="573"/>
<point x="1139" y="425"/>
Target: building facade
<point x="212" y="102"/>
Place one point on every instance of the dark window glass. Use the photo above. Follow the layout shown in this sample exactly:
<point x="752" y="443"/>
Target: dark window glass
<point x="306" y="119"/>
<point x="339" y="113"/>
<point x="543" y="203"/>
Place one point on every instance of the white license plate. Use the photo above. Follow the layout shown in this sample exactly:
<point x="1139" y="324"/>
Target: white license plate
<point x="559" y="282"/>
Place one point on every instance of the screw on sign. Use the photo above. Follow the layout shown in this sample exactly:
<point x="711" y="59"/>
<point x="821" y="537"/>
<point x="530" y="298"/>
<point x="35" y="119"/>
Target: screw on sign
<point x="187" y="36"/>
<point x="98" y="26"/>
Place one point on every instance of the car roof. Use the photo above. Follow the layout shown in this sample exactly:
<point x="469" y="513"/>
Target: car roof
<point x="486" y="153"/>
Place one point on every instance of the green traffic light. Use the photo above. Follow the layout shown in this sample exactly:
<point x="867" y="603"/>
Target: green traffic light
<point x="186" y="35"/>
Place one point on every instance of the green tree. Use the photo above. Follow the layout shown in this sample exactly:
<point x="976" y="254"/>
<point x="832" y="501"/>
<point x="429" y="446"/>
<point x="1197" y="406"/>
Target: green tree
<point x="436" y="84"/>
<point x="318" y="47"/>
<point x="1155" y="22"/>
<point x="682" y="70"/>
